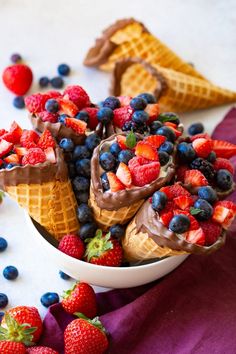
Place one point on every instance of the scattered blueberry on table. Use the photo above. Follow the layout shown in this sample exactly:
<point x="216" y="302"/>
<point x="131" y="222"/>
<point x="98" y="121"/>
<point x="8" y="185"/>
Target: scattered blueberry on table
<point x="15" y="58"/>
<point x="64" y="275"/>
<point x="3" y="300"/>
<point x="44" y="81"/>
<point x="196" y="128"/>
<point x="63" y="69"/>
<point x="10" y="273"/>
<point x="19" y="102"/>
<point x="49" y="299"/>
<point x="3" y="244"/>
<point x="57" y="82"/>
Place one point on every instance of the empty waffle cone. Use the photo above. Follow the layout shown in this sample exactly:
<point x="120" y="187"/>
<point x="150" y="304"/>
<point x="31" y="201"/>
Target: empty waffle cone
<point x="174" y="90"/>
<point x="129" y="38"/>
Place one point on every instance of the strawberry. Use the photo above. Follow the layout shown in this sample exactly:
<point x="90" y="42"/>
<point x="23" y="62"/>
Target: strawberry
<point x="143" y="171"/>
<point x="5" y="147"/>
<point x="114" y="182"/>
<point x="14" y="134"/>
<point x="18" y="78"/>
<point x="124" y="174"/>
<point x="212" y="231"/>
<point x="180" y="172"/>
<point x="223" y="148"/>
<point x="227" y="204"/>
<point x="183" y="201"/>
<point x="13" y="158"/>
<point x="177" y="190"/>
<point x="50" y="155"/>
<point x="195" y="178"/>
<point x="53" y="94"/>
<point x="46" y="116"/>
<point x="77" y="95"/>
<point x="153" y="110"/>
<point x="34" y="156"/>
<point x="177" y="132"/>
<point x="36" y="102"/>
<point x="196" y="236"/>
<point x="93" y="121"/>
<point x="20" y="151"/>
<point x="121" y="140"/>
<point x="77" y="125"/>
<point x="83" y="336"/>
<point x="68" y="107"/>
<point x="202" y="147"/>
<point x="167" y="191"/>
<point x="81" y="298"/>
<point x="7" y="347"/>
<point x="29" y="139"/>
<point x="40" y="350"/>
<point x="124" y="100"/>
<point x="24" y="323"/>
<point x="165" y="217"/>
<point x="171" y="125"/>
<point x="72" y="245"/>
<point x="224" y="164"/>
<point x="46" y="140"/>
<point x="194" y="225"/>
<point x="103" y="250"/>
<point x="155" y="140"/>
<point x="144" y="149"/>
<point x="223" y="216"/>
<point x="200" y="135"/>
<point x="122" y="115"/>
<point x="2" y="132"/>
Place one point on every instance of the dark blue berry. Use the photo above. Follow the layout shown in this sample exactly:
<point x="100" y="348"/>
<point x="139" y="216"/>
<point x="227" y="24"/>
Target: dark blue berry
<point x="211" y="157"/>
<point x="105" y="115"/>
<point x="64" y="275"/>
<point x="207" y="193"/>
<point x="52" y="106"/>
<point x="196" y="128"/>
<point x="167" y="146"/>
<point x="66" y="144"/>
<point x="63" y="69"/>
<point x="154" y="126"/>
<point x="83" y="115"/>
<point x="49" y="299"/>
<point x="115" y="149"/>
<point x="19" y="102"/>
<point x="186" y="152"/>
<point x="224" y="179"/>
<point x="148" y="97"/>
<point x="16" y="58"/>
<point x="205" y="211"/>
<point x="10" y="273"/>
<point x="138" y="103"/>
<point x="81" y="152"/>
<point x="9" y="166"/>
<point x="92" y="141"/>
<point x="82" y="197"/>
<point x="81" y="183"/>
<point x="167" y="132"/>
<point x="111" y="102"/>
<point x="44" y="81"/>
<point x="83" y="167"/>
<point x="57" y="82"/>
<point x="87" y="230"/>
<point x="105" y="182"/>
<point x="62" y="118"/>
<point x="140" y="117"/>
<point x="99" y="104"/>
<point x="117" y="231"/>
<point x="1" y="316"/>
<point x="125" y="156"/>
<point x="84" y="213"/>
<point x="169" y="117"/>
<point x="159" y="200"/>
<point x="179" y="223"/>
<point x="72" y="170"/>
<point x="107" y="161"/>
<point x="3" y="244"/>
<point x="163" y="157"/>
<point x="3" y="300"/>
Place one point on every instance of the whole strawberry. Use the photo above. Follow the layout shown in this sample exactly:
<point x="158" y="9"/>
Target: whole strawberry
<point x="81" y="298"/>
<point x="72" y="245"/>
<point x="103" y="250"/>
<point x="18" y="78"/>
<point x="40" y="350"/>
<point x="83" y="336"/>
<point x="7" y="347"/>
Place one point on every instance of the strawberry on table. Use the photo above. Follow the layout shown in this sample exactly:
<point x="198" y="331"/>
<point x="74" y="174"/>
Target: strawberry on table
<point x="18" y="78"/>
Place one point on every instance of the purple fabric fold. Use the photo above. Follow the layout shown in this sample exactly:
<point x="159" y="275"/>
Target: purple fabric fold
<point x="191" y="310"/>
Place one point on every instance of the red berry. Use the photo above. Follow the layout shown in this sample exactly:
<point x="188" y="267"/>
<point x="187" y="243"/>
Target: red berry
<point x="194" y="225"/>
<point x="153" y="111"/>
<point x="29" y="139"/>
<point x="53" y="94"/>
<point x="200" y="135"/>
<point x="177" y="190"/>
<point x="121" y="140"/>
<point x="124" y="100"/>
<point x="8" y="347"/>
<point x="195" y="178"/>
<point x="122" y="115"/>
<point x="143" y="171"/>
<point x="77" y="125"/>
<point x="50" y="155"/>
<point x="36" y="102"/>
<point x="183" y="201"/>
<point x="224" y="164"/>
<point x="40" y="350"/>
<point x="202" y="146"/>
<point x="68" y="107"/>
<point x="77" y="95"/>
<point x="212" y="231"/>
<point x="165" y="217"/>
<point x="13" y="158"/>
<point x="223" y="148"/>
<point x="46" y="140"/>
<point x="155" y="140"/>
<point x="114" y="182"/>
<point x="196" y="236"/>
<point x="34" y="156"/>
<point x="46" y="116"/>
<point x="144" y="149"/>
<point x="72" y="245"/>
<point x="18" y="78"/>
<point x="14" y="134"/>
<point x="5" y="147"/>
<point x="93" y="121"/>
<point x="124" y="174"/>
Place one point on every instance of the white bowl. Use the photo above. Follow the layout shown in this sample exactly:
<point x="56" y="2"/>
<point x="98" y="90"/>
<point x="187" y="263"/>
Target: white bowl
<point x="108" y="277"/>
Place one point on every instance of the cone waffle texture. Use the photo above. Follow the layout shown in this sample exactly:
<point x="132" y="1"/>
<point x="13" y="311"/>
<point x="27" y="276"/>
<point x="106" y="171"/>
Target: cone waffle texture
<point x="174" y="90"/>
<point x="106" y="218"/>
<point x="138" y="246"/>
<point x="51" y="204"/>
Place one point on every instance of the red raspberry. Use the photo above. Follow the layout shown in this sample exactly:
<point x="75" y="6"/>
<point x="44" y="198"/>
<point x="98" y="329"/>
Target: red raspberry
<point x="34" y="156"/>
<point x="212" y="231"/>
<point x="93" y="121"/>
<point x="36" y="103"/>
<point x="46" y="140"/>
<point x="46" y="116"/>
<point x="72" y="245"/>
<point x="18" y="78"/>
<point x="53" y="94"/>
<point x="122" y="115"/>
<point x="142" y="172"/>
<point x="77" y="95"/>
<point x="29" y="139"/>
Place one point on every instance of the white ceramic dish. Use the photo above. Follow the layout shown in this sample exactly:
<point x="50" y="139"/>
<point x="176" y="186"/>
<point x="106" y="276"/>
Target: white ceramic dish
<point x="108" y="277"/>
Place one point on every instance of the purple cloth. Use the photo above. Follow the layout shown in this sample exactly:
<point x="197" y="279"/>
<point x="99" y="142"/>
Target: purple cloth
<point x="191" y="310"/>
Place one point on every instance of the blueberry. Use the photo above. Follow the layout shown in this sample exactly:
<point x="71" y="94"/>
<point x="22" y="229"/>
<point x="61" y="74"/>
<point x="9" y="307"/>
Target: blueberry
<point x="92" y="141"/>
<point x="107" y="161"/>
<point x="148" y="97"/>
<point x="179" y="224"/>
<point x="49" y="299"/>
<point x="10" y="273"/>
<point x="186" y="152"/>
<point x="117" y="231"/>
<point x="81" y="152"/>
<point x="138" y="103"/>
<point x="62" y="118"/>
<point x="167" y="132"/>
<point x="169" y="117"/>
<point x="81" y="184"/>
<point x="111" y="102"/>
<point x="64" y="275"/>
<point x="154" y="126"/>
<point x="83" y="115"/>
<point x="63" y="69"/>
<point x="83" y="167"/>
<point x="224" y="179"/>
<point x="1" y="316"/>
<point x="159" y="200"/>
<point x="3" y="300"/>
<point x="87" y="230"/>
<point x="84" y="213"/>
<point x="99" y="104"/>
<point x="9" y="166"/>
<point x="3" y="244"/>
<point x="66" y="144"/>
<point x="196" y="128"/>
<point x="105" y="182"/>
<point x="207" y="193"/>
<point x="82" y="197"/>
<point x="125" y="156"/>
<point x="16" y="58"/>
<point x="163" y="157"/>
<point x="57" y="82"/>
<point x="52" y="106"/>
<point x="140" y="117"/>
<point x="167" y="146"/>
<point x="105" y="115"/>
<point x="72" y="170"/>
<point x="211" y="157"/>
<point x="19" y="102"/>
<point x="44" y="81"/>
<point x="206" y="209"/>
<point x="115" y="149"/>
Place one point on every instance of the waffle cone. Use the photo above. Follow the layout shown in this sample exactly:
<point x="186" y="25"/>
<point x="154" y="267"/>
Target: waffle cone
<point x="174" y="90"/>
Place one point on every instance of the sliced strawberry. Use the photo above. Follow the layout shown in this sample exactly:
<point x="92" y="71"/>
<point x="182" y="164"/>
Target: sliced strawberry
<point x="124" y="174"/>
<point x="121" y="140"/>
<point x="180" y="172"/>
<point x="155" y="140"/>
<point x="194" y="225"/>
<point x="114" y="182"/>
<point x="223" y="148"/>
<point x="223" y="164"/>
<point x="14" y="134"/>
<point x="144" y="149"/>
<point x="143" y="173"/>
<point x="195" y="178"/>
<point x="20" y="151"/>
<point x="68" y="107"/>
<point x="177" y="132"/>
<point x="200" y="135"/>
<point x="165" y="217"/>
<point x="93" y="121"/>
<point x="77" y="125"/>
<point x="177" y="190"/>
<point x="13" y="158"/>
<point x="46" y="140"/>
<point x="212" y="231"/>
<point x="227" y="204"/>
<point x="223" y="216"/>
<point x="2" y="132"/>
<point x="124" y="100"/>
<point x="122" y="115"/>
<point x="29" y="139"/>
<point x="196" y="236"/>
<point x="50" y="154"/>
<point x="5" y="147"/>
<point x="167" y="191"/>
<point x="183" y="201"/>
<point x="171" y="125"/>
<point x="153" y="110"/>
<point x="202" y="146"/>
<point x="34" y="156"/>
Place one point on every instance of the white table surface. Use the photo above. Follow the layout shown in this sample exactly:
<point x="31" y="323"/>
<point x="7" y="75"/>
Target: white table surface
<point x="48" y="33"/>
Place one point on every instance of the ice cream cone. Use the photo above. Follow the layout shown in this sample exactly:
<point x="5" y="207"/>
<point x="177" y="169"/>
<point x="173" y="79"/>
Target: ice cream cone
<point x="130" y="39"/>
<point x="174" y="90"/>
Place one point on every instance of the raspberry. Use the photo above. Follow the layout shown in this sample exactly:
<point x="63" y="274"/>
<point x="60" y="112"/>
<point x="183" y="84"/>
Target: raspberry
<point x="36" y="103"/>
<point x="212" y="231"/>
<point x="46" y="140"/>
<point x="53" y="94"/>
<point x="29" y="139"/>
<point x="72" y="245"/>
<point x="46" y="116"/>
<point x="34" y="156"/>
<point x="203" y="166"/>
<point x="122" y="115"/>
<point x="77" y="95"/>
<point x="93" y="121"/>
<point x="142" y="172"/>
